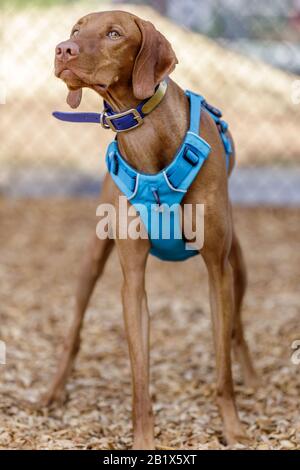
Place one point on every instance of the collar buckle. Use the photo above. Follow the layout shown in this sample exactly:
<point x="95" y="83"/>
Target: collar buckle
<point x="107" y="121"/>
<point x="103" y="118"/>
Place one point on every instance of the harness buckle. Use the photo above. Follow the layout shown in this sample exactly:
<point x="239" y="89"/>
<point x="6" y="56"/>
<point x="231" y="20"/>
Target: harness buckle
<point x="190" y="157"/>
<point x="107" y="121"/>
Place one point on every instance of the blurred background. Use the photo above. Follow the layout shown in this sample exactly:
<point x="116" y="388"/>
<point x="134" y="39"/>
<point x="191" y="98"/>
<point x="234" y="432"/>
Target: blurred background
<point x="244" y="57"/>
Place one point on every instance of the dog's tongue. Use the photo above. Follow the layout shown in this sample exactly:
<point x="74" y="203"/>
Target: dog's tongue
<point x="74" y="98"/>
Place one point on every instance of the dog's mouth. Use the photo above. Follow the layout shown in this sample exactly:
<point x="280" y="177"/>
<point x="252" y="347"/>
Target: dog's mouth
<point x="67" y="74"/>
<point x="71" y="79"/>
<point x="74" y="81"/>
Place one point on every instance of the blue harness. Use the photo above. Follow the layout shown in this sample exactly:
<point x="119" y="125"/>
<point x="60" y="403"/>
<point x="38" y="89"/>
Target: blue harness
<point x="157" y="198"/>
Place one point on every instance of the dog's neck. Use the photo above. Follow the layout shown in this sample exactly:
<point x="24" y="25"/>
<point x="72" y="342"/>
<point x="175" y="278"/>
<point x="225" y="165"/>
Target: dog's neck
<point x="152" y="146"/>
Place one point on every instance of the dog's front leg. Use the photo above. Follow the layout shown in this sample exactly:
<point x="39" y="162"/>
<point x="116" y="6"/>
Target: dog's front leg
<point x="133" y="257"/>
<point x="95" y="257"/>
<point x="136" y="319"/>
<point x="222" y="306"/>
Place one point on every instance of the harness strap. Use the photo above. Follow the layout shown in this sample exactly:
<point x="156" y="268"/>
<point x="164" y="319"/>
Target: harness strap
<point x="175" y="175"/>
<point x="190" y="158"/>
<point x="118" y="169"/>
<point x="216" y="114"/>
<point x="128" y="180"/>
<point x="195" y="111"/>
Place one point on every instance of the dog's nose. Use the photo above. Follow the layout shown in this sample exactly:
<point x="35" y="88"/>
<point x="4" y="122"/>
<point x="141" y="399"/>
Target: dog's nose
<point x="66" y="51"/>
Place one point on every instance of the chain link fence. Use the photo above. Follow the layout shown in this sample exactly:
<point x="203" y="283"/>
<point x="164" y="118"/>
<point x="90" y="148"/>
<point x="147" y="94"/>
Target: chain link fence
<point x="243" y="56"/>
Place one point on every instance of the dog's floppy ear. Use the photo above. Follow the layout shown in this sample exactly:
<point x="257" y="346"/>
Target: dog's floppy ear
<point x="155" y="61"/>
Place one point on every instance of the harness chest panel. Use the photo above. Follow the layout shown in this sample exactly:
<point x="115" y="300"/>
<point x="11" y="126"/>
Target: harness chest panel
<point x="157" y="197"/>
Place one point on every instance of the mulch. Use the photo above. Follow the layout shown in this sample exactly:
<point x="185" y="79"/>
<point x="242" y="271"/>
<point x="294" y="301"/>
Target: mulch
<point x="41" y="246"/>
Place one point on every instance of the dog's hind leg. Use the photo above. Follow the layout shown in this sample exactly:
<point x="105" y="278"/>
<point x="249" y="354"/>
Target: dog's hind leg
<point x="92" y="268"/>
<point x="239" y="342"/>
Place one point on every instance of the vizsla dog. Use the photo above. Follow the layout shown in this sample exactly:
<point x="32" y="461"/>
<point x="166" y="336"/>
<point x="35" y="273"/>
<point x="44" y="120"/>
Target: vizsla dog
<point x="124" y="59"/>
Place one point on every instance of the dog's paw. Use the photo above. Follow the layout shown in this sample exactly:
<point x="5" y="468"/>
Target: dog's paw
<point x="238" y="436"/>
<point x="27" y="405"/>
<point x="252" y="381"/>
<point x="140" y="444"/>
<point x="49" y="399"/>
<point x="58" y="397"/>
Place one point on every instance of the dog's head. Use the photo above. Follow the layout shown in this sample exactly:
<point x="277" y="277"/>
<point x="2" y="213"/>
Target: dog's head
<point x="112" y="49"/>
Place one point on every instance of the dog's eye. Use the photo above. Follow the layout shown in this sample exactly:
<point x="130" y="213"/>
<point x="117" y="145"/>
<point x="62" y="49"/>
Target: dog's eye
<point x="113" y="34"/>
<point x="75" y="33"/>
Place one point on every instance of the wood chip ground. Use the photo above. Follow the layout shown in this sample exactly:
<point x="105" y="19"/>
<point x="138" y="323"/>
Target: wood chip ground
<point x="41" y="247"/>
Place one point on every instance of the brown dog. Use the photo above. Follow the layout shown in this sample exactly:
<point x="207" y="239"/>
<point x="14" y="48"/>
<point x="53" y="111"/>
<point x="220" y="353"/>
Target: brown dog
<point x="124" y="58"/>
